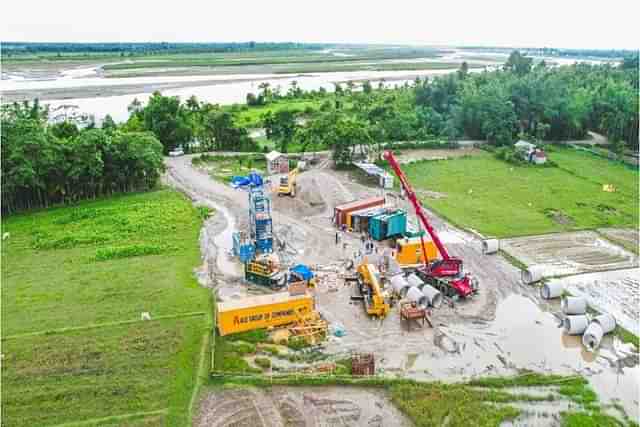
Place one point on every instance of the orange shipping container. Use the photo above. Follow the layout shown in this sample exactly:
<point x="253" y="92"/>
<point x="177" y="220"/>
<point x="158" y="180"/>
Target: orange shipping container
<point x="340" y="212"/>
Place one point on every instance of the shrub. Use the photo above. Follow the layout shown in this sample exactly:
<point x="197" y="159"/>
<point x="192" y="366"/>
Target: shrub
<point x="263" y="362"/>
<point x="256" y="336"/>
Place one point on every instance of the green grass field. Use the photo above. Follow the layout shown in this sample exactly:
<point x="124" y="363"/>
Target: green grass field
<point x="75" y="282"/>
<point x="499" y="199"/>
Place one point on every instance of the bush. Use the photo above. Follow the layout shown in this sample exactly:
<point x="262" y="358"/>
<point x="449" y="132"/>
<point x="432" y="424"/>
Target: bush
<point x="263" y="362"/>
<point x="242" y="348"/>
<point x="254" y="337"/>
<point x="129" y="251"/>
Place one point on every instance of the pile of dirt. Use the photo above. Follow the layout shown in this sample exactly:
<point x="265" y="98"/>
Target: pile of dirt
<point x="307" y="202"/>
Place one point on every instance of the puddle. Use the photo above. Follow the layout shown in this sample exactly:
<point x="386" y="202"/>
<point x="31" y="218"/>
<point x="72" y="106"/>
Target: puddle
<point x="522" y="336"/>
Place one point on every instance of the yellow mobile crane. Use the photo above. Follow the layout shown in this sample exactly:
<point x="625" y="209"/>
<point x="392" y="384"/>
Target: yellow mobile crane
<point x="370" y="289"/>
<point x="288" y="184"/>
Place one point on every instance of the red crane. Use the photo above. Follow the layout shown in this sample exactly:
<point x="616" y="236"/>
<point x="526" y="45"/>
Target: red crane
<point x="447" y="271"/>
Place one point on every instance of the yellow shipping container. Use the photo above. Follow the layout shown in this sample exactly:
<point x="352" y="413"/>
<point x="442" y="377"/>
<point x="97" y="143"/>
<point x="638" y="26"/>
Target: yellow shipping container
<point x="409" y="251"/>
<point x="261" y="311"/>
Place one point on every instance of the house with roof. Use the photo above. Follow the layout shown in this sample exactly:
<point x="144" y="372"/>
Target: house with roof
<point x="277" y="163"/>
<point x="530" y="152"/>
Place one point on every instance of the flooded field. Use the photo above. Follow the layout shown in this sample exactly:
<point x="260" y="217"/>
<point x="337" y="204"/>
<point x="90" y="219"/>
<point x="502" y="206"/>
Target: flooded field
<point x="569" y="253"/>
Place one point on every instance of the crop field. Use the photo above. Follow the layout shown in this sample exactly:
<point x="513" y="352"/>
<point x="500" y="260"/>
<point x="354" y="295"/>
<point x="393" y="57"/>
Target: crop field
<point x="500" y="199"/>
<point x="75" y="282"/>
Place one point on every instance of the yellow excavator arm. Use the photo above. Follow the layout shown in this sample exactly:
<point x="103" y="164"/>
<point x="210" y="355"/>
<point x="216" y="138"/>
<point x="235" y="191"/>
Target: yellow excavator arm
<point x="288" y="184"/>
<point x="374" y="299"/>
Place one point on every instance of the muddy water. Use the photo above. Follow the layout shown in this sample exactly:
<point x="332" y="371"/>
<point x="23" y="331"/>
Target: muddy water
<point x="523" y="336"/>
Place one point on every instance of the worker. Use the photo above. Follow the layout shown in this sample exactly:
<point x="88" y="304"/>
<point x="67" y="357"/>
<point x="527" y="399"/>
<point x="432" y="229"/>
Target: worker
<point x="362" y="237"/>
<point x="337" y="237"/>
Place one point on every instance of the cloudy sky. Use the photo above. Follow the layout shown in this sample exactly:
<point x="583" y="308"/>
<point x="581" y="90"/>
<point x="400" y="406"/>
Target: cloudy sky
<point x="554" y="23"/>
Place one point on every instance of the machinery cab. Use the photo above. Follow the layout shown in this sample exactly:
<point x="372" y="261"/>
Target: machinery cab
<point x="408" y="251"/>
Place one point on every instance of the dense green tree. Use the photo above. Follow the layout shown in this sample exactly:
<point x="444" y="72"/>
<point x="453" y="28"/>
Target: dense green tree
<point x="280" y="127"/>
<point x="167" y="119"/>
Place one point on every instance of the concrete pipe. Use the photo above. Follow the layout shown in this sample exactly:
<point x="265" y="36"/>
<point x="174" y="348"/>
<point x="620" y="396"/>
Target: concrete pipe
<point x="606" y="321"/>
<point x="531" y="275"/>
<point x="414" y="280"/>
<point x="490" y="246"/>
<point x="551" y="290"/>
<point x="592" y="336"/>
<point x="415" y="295"/>
<point x="574" y="305"/>
<point x="575" y="325"/>
<point x="399" y="285"/>
<point x="434" y="297"/>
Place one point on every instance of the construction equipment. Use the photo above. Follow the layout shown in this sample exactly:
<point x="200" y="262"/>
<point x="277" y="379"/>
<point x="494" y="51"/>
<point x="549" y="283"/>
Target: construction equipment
<point x="368" y="279"/>
<point x="410" y="313"/>
<point x="263" y="311"/>
<point x="446" y="274"/>
<point x="260" y="222"/>
<point x="288" y="184"/>
<point x="265" y="272"/>
<point x="310" y="327"/>
<point x="408" y="251"/>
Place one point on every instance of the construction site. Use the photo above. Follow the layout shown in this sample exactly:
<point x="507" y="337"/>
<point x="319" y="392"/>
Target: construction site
<point x="351" y="265"/>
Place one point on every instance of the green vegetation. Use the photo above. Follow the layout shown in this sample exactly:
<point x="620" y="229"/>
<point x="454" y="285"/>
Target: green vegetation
<point x="74" y="346"/>
<point x="498" y="199"/>
<point x="592" y="419"/>
<point x="263" y="362"/>
<point x="432" y="404"/>
<point x="223" y="168"/>
<point x="45" y="164"/>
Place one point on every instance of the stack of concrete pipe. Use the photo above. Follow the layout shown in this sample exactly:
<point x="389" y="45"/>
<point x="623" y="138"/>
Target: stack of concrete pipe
<point x="433" y="296"/>
<point x="399" y="285"/>
<point x="414" y="280"/>
<point x="575" y="309"/>
<point x="599" y="326"/>
<point x="532" y="274"/>
<point x="551" y="290"/>
<point x="490" y="246"/>
<point x="415" y="295"/>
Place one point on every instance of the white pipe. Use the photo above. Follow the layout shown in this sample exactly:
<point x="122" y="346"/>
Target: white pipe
<point x="393" y="266"/>
<point x="434" y="297"/>
<point x="575" y="325"/>
<point x="606" y="321"/>
<point x="551" y="290"/>
<point x="592" y="336"/>
<point x="399" y="285"/>
<point x="574" y="305"/>
<point x="490" y="246"/>
<point x="414" y="280"/>
<point x="415" y="295"/>
<point x="531" y="275"/>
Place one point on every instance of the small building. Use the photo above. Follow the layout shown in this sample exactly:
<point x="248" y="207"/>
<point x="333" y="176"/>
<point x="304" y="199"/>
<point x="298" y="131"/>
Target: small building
<point x="530" y="152"/>
<point x="277" y="163"/>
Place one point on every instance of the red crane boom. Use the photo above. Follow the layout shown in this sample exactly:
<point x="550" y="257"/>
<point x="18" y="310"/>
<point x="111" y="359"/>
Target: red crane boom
<point x="411" y="195"/>
<point x="449" y="270"/>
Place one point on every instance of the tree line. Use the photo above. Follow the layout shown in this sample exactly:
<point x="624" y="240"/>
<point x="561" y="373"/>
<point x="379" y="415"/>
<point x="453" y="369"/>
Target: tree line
<point x="45" y="164"/>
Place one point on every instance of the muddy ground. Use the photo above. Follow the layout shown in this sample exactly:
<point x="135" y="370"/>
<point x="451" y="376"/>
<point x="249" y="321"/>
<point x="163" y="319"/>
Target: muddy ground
<point x="502" y="330"/>
<point x="298" y="406"/>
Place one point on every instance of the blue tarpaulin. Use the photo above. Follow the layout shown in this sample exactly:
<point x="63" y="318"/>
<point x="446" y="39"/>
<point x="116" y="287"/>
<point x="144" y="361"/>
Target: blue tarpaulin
<point x="302" y="271"/>
<point x="253" y="179"/>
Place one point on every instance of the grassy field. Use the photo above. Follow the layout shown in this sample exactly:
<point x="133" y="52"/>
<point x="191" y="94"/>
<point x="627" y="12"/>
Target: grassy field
<point x="500" y="199"/>
<point x="75" y="282"/>
<point x="252" y="116"/>
<point x="223" y="168"/>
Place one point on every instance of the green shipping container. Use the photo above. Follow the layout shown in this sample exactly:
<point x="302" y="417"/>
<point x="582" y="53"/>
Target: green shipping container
<point x="385" y="226"/>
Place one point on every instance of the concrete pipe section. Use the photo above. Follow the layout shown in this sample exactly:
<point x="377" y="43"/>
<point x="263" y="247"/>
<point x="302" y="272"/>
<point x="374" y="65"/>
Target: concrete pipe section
<point x="434" y="297"/>
<point x="414" y="280"/>
<point x="606" y="321"/>
<point x="551" y="290"/>
<point x="415" y="295"/>
<point x="592" y="336"/>
<point x="574" y="305"/>
<point x="575" y="325"/>
<point x="490" y="246"/>
<point x="399" y="285"/>
<point x="532" y="275"/>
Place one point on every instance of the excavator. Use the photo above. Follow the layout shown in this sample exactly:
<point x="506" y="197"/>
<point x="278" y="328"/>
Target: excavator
<point x="288" y="184"/>
<point x="368" y="279"/>
<point x="445" y="274"/>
